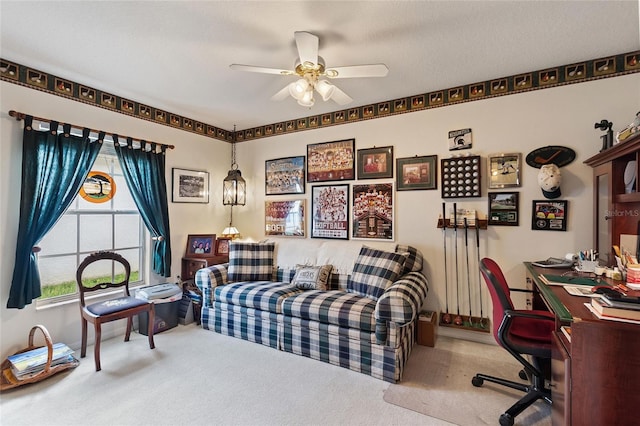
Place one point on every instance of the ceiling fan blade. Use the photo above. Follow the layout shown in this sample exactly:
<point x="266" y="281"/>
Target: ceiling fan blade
<point x="352" y="71"/>
<point x="340" y="97"/>
<point x="307" y="44"/>
<point x="282" y="94"/>
<point x="263" y="70"/>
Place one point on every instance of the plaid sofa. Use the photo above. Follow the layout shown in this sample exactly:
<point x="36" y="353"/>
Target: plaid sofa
<point x="342" y="325"/>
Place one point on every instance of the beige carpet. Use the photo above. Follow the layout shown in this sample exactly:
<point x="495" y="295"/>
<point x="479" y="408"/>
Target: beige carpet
<point x="437" y="382"/>
<point x="197" y="377"/>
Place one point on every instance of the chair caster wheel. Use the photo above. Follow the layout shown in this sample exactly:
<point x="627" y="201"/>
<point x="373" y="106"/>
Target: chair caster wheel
<point x="523" y="375"/>
<point x="506" y="420"/>
<point x="477" y="381"/>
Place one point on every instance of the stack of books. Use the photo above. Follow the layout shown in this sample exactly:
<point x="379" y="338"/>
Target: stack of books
<point x="618" y="307"/>
<point x="28" y="364"/>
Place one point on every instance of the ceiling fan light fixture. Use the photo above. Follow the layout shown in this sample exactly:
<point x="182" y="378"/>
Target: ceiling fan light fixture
<point x="299" y="88"/>
<point x="307" y="99"/>
<point x="325" y="89"/>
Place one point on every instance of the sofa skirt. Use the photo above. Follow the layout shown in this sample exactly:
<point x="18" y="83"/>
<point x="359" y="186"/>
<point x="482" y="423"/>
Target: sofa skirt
<point x="245" y="323"/>
<point x="348" y="348"/>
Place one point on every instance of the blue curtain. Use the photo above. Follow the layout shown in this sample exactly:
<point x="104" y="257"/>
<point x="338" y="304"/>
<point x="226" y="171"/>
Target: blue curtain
<point x="144" y="172"/>
<point x="54" y="167"/>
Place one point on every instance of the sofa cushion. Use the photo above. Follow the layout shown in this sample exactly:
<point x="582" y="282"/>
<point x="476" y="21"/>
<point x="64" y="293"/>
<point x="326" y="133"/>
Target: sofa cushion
<point x="251" y="261"/>
<point x="332" y="307"/>
<point x="374" y="271"/>
<point x="312" y="277"/>
<point x="414" y="258"/>
<point x="264" y="295"/>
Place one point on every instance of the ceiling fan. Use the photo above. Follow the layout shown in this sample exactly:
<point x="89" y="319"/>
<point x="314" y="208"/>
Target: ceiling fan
<point x="310" y="67"/>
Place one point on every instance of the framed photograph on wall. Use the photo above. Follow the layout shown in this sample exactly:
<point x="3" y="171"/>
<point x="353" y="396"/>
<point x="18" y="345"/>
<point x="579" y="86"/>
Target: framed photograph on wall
<point x="329" y="161"/>
<point x="190" y="186"/>
<point x="504" y="170"/>
<point x="549" y="215"/>
<point x="284" y="218"/>
<point x="222" y="246"/>
<point x="372" y="212"/>
<point x="375" y="163"/>
<point x="417" y="173"/>
<point x="284" y="176"/>
<point x="330" y="211"/>
<point x="202" y="245"/>
<point x="503" y="208"/>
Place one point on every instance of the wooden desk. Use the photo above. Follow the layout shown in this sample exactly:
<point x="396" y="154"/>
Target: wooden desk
<point x="595" y="377"/>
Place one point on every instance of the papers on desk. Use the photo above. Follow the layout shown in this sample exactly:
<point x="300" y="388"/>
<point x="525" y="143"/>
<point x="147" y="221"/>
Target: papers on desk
<point x="583" y="291"/>
<point x="566" y="330"/>
<point x="566" y="280"/>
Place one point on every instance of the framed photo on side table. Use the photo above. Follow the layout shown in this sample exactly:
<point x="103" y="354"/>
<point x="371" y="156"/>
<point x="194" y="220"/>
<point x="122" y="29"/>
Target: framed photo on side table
<point x="202" y="245"/>
<point x="549" y="215"/>
<point x="504" y="171"/>
<point x="330" y="211"/>
<point x="222" y="246"/>
<point x="190" y="186"/>
<point x="503" y="208"/>
<point x="284" y="176"/>
<point x="330" y="161"/>
<point x="417" y="173"/>
<point x="375" y="163"/>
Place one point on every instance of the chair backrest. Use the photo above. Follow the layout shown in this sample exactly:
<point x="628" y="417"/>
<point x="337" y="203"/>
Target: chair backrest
<point x="499" y="290"/>
<point x="103" y="256"/>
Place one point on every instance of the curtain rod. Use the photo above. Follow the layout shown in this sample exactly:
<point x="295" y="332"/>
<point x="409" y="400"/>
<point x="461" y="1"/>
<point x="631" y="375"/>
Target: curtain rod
<point x="21" y="115"/>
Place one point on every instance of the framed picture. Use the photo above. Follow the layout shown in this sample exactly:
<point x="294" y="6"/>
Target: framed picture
<point x="504" y="170"/>
<point x="284" y="176"/>
<point x="375" y="163"/>
<point x="330" y="211"/>
<point x="222" y="246"/>
<point x="372" y="211"/>
<point x="200" y="245"/>
<point x="190" y="186"/>
<point x="330" y="161"/>
<point x="549" y="215"/>
<point x="503" y="208"/>
<point x="284" y="218"/>
<point x="417" y="173"/>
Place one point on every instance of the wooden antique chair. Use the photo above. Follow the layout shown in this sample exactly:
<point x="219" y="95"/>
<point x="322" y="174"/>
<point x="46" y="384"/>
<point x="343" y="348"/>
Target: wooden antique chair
<point x="120" y="307"/>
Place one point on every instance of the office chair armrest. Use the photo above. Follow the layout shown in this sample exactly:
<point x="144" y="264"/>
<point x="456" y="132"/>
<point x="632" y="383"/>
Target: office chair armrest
<point x="522" y="290"/>
<point x="207" y="279"/>
<point x="528" y="314"/>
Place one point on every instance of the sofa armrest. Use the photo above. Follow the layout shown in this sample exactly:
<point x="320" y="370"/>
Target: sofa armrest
<point x="207" y="279"/>
<point x="400" y="303"/>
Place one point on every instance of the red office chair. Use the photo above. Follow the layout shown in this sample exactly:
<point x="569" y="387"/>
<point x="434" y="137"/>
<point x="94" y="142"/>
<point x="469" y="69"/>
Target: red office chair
<point x="520" y="332"/>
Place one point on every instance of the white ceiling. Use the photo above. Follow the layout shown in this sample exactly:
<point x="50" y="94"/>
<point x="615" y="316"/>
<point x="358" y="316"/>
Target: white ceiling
<point x="175" y="55"/>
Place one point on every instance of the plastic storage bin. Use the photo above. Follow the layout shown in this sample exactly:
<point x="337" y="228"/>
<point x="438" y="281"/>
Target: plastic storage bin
<point x="166" y="298"/>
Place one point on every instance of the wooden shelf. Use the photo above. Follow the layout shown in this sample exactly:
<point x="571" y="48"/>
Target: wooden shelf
<point x="482" y="224"/>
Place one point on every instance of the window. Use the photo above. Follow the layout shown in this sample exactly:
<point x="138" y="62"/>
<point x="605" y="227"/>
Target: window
<point x="87" y="227"/>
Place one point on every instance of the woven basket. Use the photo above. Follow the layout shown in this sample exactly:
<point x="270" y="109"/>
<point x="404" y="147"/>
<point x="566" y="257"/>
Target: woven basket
<point x="9" y="381"/>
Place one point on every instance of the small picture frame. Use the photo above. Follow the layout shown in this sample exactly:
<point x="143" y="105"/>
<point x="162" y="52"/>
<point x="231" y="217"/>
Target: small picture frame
<point x="190" y="186"/>
<point x="414" y="173"/>
<point x="503" y="208"/>
<point x="330" y="161"/>
<point x="330" y="211"/>
<point x="201" y="245"/>
<point x="285" y="218"/>
<point x="504" y="170"/>
<point x="222" y="246"/>
<point x="284" y="176"/>
<point x="375" y="163"/>
<point x="549" y="215"/>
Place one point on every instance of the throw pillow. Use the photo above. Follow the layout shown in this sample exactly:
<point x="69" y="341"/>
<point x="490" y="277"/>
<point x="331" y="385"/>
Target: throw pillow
<point x="312" y="277"/>
<point x="414" y="258"/>
<point x="251" y="261"/>
<point x="374" y="271"/>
